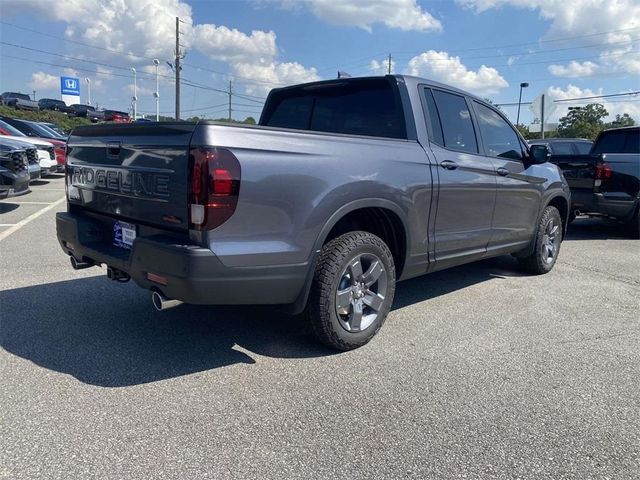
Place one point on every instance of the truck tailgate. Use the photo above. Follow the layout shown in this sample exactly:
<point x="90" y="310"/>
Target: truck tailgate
<point x="136" y="172"/>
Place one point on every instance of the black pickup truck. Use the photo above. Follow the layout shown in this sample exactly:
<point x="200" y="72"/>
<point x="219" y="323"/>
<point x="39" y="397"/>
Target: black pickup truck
<point x="606" y="182"/>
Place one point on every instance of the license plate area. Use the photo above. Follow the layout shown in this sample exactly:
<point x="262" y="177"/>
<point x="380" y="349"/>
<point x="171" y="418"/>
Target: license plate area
<point x="124" y="234"/>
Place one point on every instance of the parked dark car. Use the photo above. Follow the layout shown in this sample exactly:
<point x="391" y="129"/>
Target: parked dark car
<point x="88" y="111"/>
<point x="53" y="104"/>
<point x="116" y="116"/>
<point x="18" y="101"/>
<point x="565" y="146"/>
<point x="343" y="188"/>
<point x="14" y="170"/>
<point x="34" y="130"/>
<point x="606" y="182"/>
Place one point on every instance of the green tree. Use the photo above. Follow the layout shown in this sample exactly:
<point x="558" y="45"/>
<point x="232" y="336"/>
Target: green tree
<point x="623" y="120"/>
<point x="583" y="122"/>
<point x="250" y="121"/>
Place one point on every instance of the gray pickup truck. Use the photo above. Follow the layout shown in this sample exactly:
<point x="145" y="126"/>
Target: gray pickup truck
<point x="345" y="187"/>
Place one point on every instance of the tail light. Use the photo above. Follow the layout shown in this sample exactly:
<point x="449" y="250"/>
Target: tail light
<point x="603" y="171"/>
<point x="215" y="184"/>
<point x="60" y="155"/>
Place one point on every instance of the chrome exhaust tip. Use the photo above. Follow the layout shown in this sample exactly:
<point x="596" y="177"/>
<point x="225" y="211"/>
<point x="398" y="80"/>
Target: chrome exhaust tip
<point x="76" y="265"/>
<point x="163" y="303"/>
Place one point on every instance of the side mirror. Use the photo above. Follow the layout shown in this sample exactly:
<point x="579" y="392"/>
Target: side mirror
<point x="539" y="154"/>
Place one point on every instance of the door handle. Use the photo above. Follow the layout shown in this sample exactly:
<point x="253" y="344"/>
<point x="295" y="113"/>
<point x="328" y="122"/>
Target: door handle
<point x="449" y="164"/>
<point x="503" y="172"/>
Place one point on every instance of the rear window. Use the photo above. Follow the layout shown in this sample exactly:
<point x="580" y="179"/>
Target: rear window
<point x="561" y="148"/>
<point x="355" y="107"/>
<point x="583" y="148"/>
<point x="620" y="141"/>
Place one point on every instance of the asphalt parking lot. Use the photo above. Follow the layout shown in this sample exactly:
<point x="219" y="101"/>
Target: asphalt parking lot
<point x="479" y="372"/>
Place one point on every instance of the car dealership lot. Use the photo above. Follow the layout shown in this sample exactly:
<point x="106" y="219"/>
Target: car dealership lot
<point x="479" y="372"/>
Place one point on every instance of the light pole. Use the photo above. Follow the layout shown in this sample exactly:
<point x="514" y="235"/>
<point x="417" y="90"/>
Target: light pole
<point x="522" y="85"/>
<point x="156" y="94"/>
<point x="135" y="94"/>
<point x="88" y="80"/>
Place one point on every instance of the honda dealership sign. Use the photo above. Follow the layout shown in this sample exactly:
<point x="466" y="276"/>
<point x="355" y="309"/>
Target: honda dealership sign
<point x="70" y="90"/>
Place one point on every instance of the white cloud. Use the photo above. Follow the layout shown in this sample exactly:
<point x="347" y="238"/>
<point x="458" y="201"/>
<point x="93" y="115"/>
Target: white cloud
<point x="574" y="69"/>
<point x="584" y="17"/>
<point x="382" y="67"/>
<point x="44" y="81"/>
<point x="232" y="45"/>
<point x="273" y="74"/>
<point x="132" y="32"/>
<point x="448" y="69"/>
<point x="614" y="107"/>
<point x="402" y="14"/>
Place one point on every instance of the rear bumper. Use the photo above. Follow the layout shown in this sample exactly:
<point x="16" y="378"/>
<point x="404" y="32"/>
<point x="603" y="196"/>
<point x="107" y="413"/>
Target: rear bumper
<point x="193" y="274"/>
<point x="603" y="204"/>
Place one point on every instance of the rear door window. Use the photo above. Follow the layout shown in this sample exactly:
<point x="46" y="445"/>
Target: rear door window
<point x="498" y="137"/>
<point x="455" y="118"/>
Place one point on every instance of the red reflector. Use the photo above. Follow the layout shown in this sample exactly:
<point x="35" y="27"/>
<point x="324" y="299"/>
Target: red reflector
<point x="222" y="182"/>
<point x="152" y="277"/>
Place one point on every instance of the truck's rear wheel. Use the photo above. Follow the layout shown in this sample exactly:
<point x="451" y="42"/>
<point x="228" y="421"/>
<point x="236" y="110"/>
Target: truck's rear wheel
<point x="352" y="290"/>
<point x="547" y="243"/>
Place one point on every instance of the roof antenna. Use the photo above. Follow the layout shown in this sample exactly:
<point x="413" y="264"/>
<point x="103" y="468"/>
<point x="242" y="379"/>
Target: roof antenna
<point x="343" y="74"/>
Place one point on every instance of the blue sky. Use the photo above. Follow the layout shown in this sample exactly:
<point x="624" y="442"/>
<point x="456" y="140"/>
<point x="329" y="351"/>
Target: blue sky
<point x="485" y="46"/>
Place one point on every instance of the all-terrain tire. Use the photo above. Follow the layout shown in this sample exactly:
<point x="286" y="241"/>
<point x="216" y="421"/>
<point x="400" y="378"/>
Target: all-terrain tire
<point x="541" y="260"/>
<point x="322" y="307"/>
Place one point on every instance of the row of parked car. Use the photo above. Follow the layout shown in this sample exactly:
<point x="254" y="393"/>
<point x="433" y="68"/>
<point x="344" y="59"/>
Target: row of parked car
<point x="22" y="101"/>
<point x="28" y="151"/>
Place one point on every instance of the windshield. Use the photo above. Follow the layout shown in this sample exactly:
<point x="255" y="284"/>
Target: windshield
<point x="11" y="129"/>
<point x="40" y="130"/>
<point x="51" y="131"/>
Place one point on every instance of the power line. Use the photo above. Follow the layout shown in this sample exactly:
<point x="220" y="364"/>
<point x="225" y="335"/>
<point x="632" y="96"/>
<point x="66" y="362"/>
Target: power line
<point x="572" y="99"/>
<point x="73" y="41"/>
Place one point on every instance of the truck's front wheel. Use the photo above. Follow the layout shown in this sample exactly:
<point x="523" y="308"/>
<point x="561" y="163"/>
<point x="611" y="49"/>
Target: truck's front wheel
<point x="352" y="290"/>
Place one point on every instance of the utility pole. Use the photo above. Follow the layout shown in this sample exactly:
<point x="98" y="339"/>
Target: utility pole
<point x="177" y="67"/>
<point x="34" y="95"/>
<point x="229" y="100"/>
<point x="389" y="64"/>
<point x="542" y="116"/>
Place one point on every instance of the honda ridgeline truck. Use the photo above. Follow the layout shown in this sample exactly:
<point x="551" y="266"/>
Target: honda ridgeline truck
<point x="344" y="188"/>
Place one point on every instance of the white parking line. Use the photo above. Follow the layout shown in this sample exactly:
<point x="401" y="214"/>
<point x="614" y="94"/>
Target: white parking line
<point x="7" y="224"/>
<point x="31" y="203"/>
<point x="30" y="218"/>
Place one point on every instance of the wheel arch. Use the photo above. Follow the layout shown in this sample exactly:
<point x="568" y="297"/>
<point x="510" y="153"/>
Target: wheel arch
<point x="395" y="217"/>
